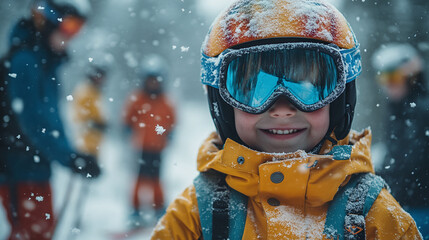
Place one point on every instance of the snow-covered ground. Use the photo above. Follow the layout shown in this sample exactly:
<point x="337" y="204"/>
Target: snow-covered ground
<point x="105" y="208"/>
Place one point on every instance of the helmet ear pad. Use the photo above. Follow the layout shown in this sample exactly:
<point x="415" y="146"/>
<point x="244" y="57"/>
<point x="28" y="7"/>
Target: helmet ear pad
<point x="223" y="116"/>
<point x="341" y="112"/>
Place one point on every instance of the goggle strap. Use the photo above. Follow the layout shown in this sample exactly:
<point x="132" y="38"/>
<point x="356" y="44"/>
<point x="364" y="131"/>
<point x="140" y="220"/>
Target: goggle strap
<point x="352" y="62"/>
<point x="356" y="68"/>
<point x="210" y="70"/>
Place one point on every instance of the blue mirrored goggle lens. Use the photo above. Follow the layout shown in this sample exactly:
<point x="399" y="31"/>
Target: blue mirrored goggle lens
<point x="309" y="75"/>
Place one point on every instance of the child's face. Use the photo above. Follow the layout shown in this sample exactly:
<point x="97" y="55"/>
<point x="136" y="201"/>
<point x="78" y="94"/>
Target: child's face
<point x="282" y="128"/>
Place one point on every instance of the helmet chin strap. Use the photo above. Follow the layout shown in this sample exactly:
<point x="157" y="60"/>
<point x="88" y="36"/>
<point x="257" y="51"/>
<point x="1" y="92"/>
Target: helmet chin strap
<point x="327" y="137"/>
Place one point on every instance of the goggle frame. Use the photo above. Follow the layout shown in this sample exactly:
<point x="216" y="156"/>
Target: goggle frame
<point x="347" y="62"/>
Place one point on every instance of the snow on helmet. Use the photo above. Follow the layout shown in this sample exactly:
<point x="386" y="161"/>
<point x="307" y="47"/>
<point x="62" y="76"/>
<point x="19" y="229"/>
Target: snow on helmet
<point x="153" y="65"/>
<point x="248" y="20"/>
<point x="263" y="22"/>
<point x="397" y="59"/>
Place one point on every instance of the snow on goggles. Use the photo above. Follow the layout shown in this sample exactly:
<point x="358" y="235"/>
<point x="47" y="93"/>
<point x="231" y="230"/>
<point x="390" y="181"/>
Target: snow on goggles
<point x="310" y="75"/>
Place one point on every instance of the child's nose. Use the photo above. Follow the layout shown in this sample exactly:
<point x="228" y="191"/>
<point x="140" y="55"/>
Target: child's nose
<point x="282" y="108"/>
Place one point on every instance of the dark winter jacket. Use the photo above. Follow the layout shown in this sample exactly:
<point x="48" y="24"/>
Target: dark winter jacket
<point x="32" y="87"/>
<point x="406" y="166"/>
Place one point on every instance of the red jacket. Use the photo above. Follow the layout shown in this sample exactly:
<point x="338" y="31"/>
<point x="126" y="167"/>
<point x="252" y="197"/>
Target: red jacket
<point x="152" y="118"/>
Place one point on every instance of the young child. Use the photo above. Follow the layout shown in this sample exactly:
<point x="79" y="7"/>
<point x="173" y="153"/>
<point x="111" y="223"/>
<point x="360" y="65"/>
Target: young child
<point x="401" y="75"/>
<point x="150" y="115"/>
<point x="280" y="77"/>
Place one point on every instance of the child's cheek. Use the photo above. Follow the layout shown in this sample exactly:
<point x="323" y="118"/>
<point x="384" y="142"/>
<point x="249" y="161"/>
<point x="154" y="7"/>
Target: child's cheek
<point x="245" y="124"/>
<point x="319" y="119"/>
<point x="244" y="120"/>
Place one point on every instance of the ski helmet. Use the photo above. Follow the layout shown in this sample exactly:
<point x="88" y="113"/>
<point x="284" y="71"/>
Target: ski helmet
<point x="255" y="24"/>
<point x="153" y="66"/>
<point x="68" y="15"/>
<point x="397" y="60"/>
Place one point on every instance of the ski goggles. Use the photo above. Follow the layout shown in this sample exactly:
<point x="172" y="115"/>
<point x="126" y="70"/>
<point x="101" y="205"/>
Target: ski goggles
<point x="392" y="78"/>
<point x="70" y="25"/>
<point x="310" y="75"/>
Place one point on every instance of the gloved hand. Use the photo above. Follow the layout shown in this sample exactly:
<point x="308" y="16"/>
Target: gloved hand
<point x="85" y="165"/>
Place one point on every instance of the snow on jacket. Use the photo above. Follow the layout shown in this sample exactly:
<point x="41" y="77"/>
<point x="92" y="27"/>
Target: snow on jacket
<point x="304" y="194"/>
<point x="151" y="118"/>
<point x="89" y="117"/>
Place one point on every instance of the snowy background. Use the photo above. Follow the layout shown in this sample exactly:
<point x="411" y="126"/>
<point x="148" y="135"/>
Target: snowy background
<point x="125" y="31"/>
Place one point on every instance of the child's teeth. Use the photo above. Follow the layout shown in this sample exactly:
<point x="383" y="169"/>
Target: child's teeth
<point x="275" y="131"/>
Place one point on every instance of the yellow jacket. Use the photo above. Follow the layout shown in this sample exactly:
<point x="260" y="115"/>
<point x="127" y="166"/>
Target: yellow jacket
<point x="304" y="194"/>
<point x="88" y="116"/>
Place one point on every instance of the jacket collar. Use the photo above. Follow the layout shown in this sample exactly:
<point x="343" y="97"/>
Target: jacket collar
<point x="310" y="178"/>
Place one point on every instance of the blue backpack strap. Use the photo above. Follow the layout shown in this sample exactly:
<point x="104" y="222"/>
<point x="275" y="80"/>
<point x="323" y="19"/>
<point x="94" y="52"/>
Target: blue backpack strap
<point x="222" y="209"/>
<point x="346" y="214"/>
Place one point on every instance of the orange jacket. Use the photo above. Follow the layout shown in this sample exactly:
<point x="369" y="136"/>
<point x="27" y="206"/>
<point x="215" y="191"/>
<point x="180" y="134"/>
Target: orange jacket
<point x="151" y="118"/>
<point x="88" y="114"/>
<point x="304" y="193"/>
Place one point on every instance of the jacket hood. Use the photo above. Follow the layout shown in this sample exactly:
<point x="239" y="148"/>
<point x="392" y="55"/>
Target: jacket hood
<point x="300" y="178"/>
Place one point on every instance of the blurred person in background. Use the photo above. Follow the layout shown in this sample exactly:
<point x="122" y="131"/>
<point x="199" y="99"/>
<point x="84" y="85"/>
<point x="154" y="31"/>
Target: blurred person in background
<point x="32" y="130"/>
<point x="406" y="163"/>
<point x="150" y="116"/>
<point x="88" y="112"/>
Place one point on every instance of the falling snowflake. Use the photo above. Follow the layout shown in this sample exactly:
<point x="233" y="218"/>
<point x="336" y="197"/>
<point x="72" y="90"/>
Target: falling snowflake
<point x="413" y="104"/>
<point x="69" y="98"/>
<point x="12" y="75"/>
<point x="55" y="133"/>
<point x="36" y="159"/>
<point x="39" y="198"/>
<point x="90" y="59"/>
<point x="48" y="216"/>
<point x="159" y="129"/>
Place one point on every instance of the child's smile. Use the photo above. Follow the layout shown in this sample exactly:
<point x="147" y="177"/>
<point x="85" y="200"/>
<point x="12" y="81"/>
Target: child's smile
<point x="282" y="128"/>
<point x="283" y="132"/>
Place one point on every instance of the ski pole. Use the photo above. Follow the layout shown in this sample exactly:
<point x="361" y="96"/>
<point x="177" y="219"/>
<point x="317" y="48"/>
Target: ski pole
<point x="65" y="203"/>
<point x="80" y="206"/>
